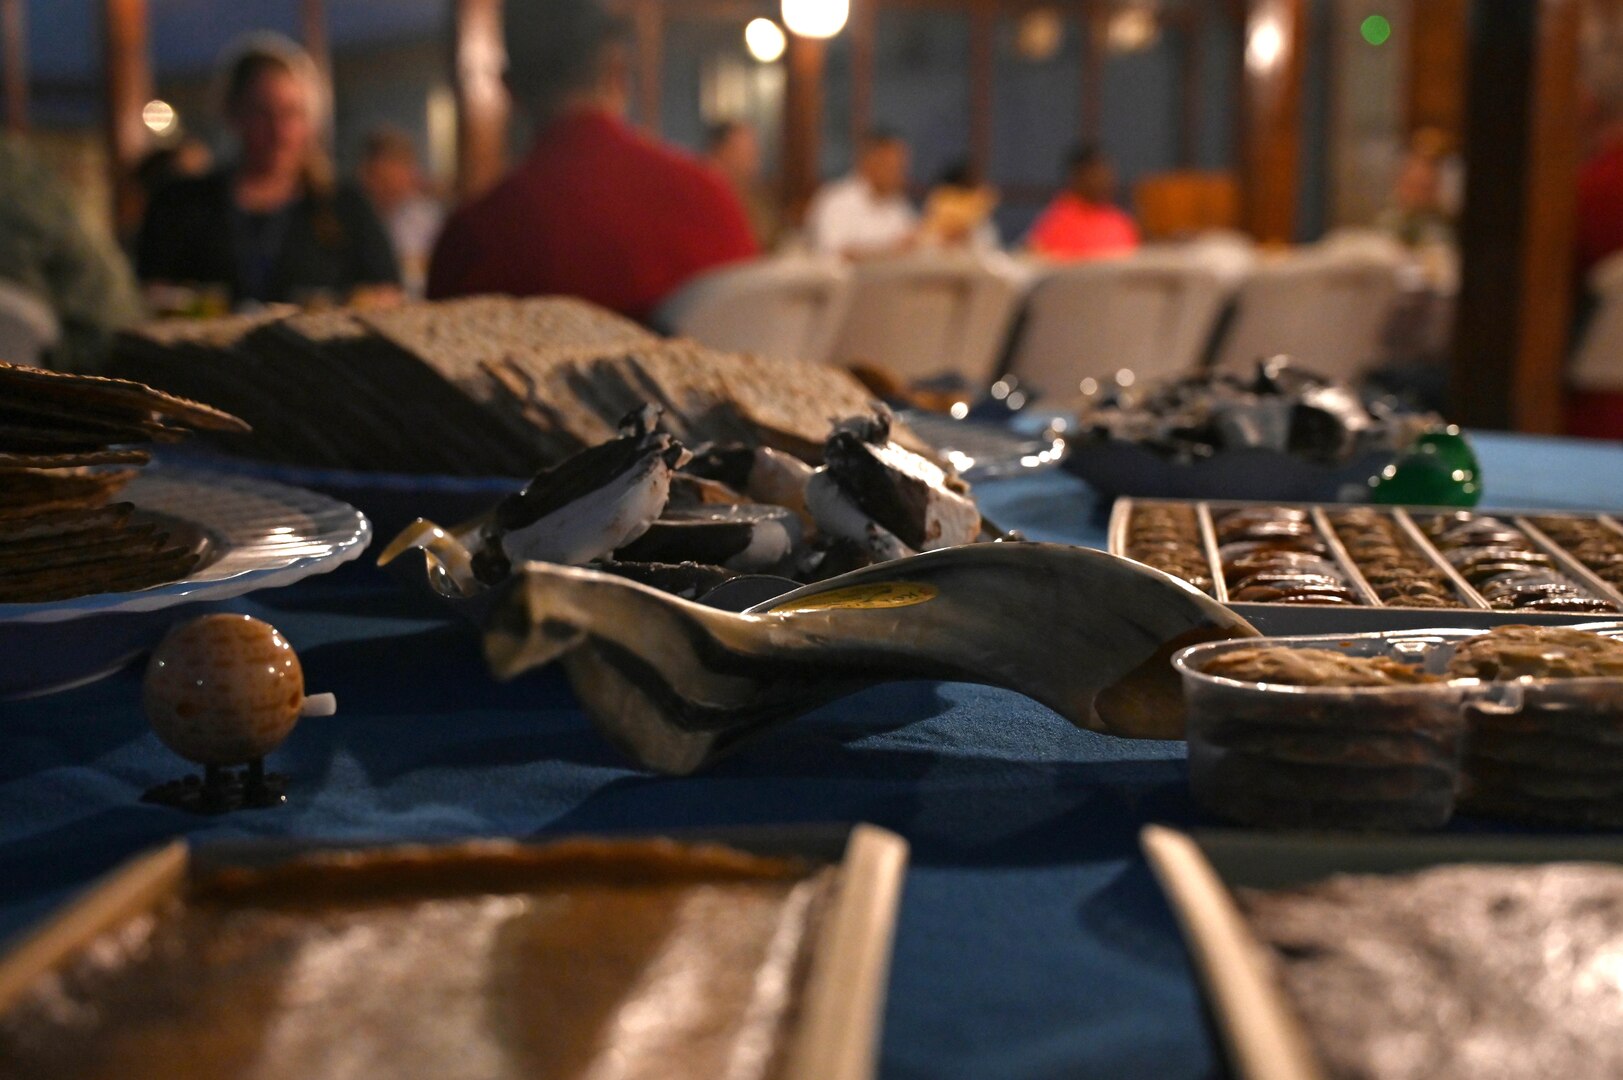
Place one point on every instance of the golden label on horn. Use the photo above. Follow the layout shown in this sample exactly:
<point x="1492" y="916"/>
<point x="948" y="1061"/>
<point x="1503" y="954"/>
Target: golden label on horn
<point x="889" y="594"/>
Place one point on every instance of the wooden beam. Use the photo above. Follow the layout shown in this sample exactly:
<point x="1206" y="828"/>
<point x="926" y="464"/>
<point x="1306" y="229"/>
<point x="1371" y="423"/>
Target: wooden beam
<point x="982" y="76"/>
<point x="1437" y="36"/>
<point x="648" y="28"/>
<point x="1271" y="117"/>
<point x="802" y="123"/>
<point x="481" y="98"/>
<point x="1192" y="31"/>
<point x="1091" y="18"/>
<point x="14" y="50"/>
<point x="1516" y="234"/>
<point x="863" y="30"/>
<point x="128" y="68"/>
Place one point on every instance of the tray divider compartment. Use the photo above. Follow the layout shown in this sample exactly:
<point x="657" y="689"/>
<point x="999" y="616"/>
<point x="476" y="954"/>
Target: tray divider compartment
<point x="1570" y="564"/>
<point x="1343" y="557"/>
<point x="1417" y="536"/>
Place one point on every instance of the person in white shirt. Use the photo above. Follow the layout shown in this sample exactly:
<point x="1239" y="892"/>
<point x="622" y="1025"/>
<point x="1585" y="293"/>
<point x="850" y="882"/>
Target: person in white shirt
<point x="867" y="213"/>
<point x="393" y="180"/>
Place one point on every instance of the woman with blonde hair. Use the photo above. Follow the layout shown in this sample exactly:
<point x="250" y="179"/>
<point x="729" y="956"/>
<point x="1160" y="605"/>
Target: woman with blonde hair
<point x="274" y="226"/>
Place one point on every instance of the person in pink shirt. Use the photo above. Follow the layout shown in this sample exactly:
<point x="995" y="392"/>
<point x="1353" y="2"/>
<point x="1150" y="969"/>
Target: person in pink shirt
<point x="1083" y="221"/>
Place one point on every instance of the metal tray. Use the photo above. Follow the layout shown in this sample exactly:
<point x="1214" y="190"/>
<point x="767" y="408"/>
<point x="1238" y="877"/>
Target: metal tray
<point x="1473" y="611"/>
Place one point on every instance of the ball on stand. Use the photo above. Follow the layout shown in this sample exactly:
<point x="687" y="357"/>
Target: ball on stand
<point x="224" y="691"/>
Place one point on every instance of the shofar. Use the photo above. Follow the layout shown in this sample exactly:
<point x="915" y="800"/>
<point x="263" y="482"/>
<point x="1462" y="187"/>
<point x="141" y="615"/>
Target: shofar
<point x="676" y="685"/>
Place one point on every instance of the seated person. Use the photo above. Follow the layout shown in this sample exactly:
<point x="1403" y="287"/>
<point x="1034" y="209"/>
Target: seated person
<point x="732" y="148"/>
<point x="392" y="178"/>
<point x="1083" y="221"/>
<point x="596" y="210"/>
<point x="48" y="252"/>
<point x="866" y="213"/>
<point x="958" y="212"/>
<point x="274" y="227"/>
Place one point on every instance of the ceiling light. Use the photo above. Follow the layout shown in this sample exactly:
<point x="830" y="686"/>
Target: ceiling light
<point x="816" y="18"/>
<point x="764" y="39"/>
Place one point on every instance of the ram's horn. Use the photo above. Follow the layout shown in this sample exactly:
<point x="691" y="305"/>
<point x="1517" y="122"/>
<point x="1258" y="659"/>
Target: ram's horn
<point x="676" y="684"/>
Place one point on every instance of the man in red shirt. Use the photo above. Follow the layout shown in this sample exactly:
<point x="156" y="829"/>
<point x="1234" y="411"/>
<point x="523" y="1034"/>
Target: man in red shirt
<point x="1083" y="222"/>
<point x="596" y="210"/>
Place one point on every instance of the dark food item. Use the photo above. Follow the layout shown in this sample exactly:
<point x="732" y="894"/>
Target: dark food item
<point x="1274" y="555"/>
<point x="1594" y="543"/>
<point x="748" y="538"/>
<point x="60" y="534"/>
<point x="1280" y="407"/>
<point x="1506" y="567"/>
<point x="485" y="385"/>
<point x="1400" y="575"/>
<point x="1167" y="537"/>
<point x="1478" y="972"/>
<point x="636" y="958"/>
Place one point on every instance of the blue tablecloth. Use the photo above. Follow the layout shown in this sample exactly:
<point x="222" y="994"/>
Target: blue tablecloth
<point x="1032" y="941"/>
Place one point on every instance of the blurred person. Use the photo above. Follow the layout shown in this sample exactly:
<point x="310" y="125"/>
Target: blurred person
<point x="274" y="226"/>
<point x="867" y="213"/>
<point x="596" y="210"/>
<point x="392" y="178"/>
<point x="46" y="250"/>
<point x="184" y="160"/>
<point x="1421" y="210"/>
<point x="1083" y="221"/>
<point x="958" y="211"/>
<point x="732" y="148"/>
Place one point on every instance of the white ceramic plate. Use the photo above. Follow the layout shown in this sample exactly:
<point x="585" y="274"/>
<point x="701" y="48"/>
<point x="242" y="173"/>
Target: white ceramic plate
<point x="254" y="534"/>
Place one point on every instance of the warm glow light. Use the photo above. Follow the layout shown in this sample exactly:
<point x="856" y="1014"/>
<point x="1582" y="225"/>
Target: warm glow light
<point x="765" y="40"/>
<point x="159" y="117"/>
<point x="1132" y="29"/>
<point x="1266" y="45"/>
<point x="816" y="18"/>
<point x="1039" y="34"/>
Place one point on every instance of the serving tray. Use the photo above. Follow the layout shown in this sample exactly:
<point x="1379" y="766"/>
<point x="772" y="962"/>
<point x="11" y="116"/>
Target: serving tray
<point x="1261" y="1033"/>
<point x="1372" y="614"/>
<point x="833" y="1012"/>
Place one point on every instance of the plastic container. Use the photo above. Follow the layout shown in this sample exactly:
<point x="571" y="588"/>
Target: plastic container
<point x="1402" y="757"/>
<point x="1300" y="757"/>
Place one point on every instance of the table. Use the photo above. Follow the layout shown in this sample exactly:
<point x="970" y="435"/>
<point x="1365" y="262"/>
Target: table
<point x="1032" y="940"/>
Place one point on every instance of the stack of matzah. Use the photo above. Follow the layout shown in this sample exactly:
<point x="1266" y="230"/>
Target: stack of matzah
<point x="68" y="445"/>
<point x="481" y="386"/>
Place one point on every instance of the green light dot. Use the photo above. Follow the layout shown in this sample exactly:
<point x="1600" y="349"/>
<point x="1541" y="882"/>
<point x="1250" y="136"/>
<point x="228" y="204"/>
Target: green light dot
<point x="1376" y="29"/>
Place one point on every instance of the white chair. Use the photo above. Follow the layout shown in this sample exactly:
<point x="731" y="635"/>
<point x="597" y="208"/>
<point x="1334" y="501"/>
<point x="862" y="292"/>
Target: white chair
<point x="1327" y="310"/>
<point x="28" y="326"/>
<point x="932" y="314"/>
<point x="1598" y="363"/>
<point x="789" y="309"/>
<point x="1152" y="315"/>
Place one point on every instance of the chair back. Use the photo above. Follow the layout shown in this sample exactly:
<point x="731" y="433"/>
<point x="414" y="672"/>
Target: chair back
<point x="1328" y="310"/>
<point x="931" y="315"/>
<point x="1598" y="363"/>
<point x="28" y="326"/>
<point x="1151" y="316"/>
<point x="790" y="309"/>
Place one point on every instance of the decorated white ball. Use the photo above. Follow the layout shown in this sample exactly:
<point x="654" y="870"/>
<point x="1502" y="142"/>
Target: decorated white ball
<point x="223" y="689"/>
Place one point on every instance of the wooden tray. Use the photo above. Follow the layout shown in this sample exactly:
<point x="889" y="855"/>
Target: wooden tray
<point x="835" y="1029"/>
<point x="1260" y="1031"/>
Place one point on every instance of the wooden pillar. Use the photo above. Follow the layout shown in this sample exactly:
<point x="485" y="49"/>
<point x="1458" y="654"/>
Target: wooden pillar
<point x="14" y="50"/>
<point x="982" y="75"/>
<point x="1091" y="18"/>
<point x="128" y="67"/>
<point x="1437" y="34"/>
<point x="1516" y="234"/>
<point x="1192" y="28"/>
<point x="648" y="26"/>
<point x="802" y="123"/>
<point x="1271" y="117"/>
<point x="481" y="97"/>
<point x="863" y="30"/>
